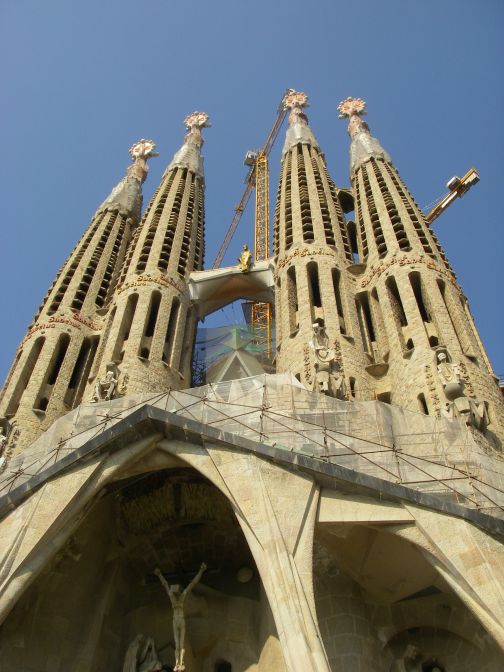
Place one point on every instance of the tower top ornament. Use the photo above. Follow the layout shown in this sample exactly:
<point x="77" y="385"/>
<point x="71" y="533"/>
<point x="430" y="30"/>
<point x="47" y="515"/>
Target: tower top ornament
<point x="196" y="120"/>
<point x="295" y="99"/>
<point x="143" y="149"/>
<point x="351" y="106"/>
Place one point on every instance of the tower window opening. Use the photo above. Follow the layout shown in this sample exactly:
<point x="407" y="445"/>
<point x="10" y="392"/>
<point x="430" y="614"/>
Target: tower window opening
<point x="416" y="284"/>
<point x="108" y="275"/>
<point x="395" y="219"/>
<point x="409" y="204"/>
<point x="339" y="212"/>
<point x="181" y="337"/>
<point x="352" y="387"/>
<point x="81" y="371"/>
<point x="352" y="236"/>
<point x="79" y="364"/>
<point x="63" y="286"/>
<point x="276" y="220"/>
<point x="336" y="278"/>
<point x="188" y="231"/>
<point x="153" y="227"/>
<point x="423" y="404"/>
<point x="324" y="206"/>
<point x="188" y="343"/>
<point x="150" y="325"/>
<point x="223" y="666"/>
<point x="288" y="203"/>
<point x="377" y="318"/>
<point x="124" y="329"/>
<point x="292" y="300"/>
<point x="365" y="340"/>
<point x="456" y="323"/>
<point x="61" y="349"/>
<point x="366" y="310"/>
<point x="381" y="245"/>
<point x="360" y="220"/>
<point x="89" y="273"/>
<point x="24" y="377"/>
<point x="52" y="373"/>
<point x="314" y="284"/>
<point x="396" y="301"/>
<point x="153" y="314"/>
<point x="199" y="250"/>
<point x="129" y="255"/>
<point x="170" y="330"/>
<point x="304" y="198"/>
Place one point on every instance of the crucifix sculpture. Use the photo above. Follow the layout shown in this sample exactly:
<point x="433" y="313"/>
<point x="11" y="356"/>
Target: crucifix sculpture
<point x="177" y="600"/>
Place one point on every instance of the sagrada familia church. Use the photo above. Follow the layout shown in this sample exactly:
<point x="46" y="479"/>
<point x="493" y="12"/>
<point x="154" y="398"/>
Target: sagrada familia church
<point x="338" y="510"/>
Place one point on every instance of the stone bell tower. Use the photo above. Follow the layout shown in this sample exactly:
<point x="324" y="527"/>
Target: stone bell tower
<point x="54" y="360"/>
<point x="150" y="330"/>
<point x="412" y="312"/>
<point x="312" y="254"/>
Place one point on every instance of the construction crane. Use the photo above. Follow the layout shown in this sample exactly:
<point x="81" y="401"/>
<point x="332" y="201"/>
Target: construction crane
<point x="255" y="178"/>
<point x="457" y="187"/>
<point x="258" y="177"/>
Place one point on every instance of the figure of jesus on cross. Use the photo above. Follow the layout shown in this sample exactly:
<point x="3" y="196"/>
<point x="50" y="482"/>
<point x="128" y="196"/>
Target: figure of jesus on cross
<point x="177" y="600"/>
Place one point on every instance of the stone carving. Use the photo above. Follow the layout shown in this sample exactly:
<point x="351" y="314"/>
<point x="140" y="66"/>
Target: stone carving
<point x="177" y="600"/>
<point x="308" y="368"/>
<point x="458" y="404"/>
<point x="9" y="433"/>
<point x="329" y="378"/>
<point x="305" y="252"/>
<point x="3" y="444"/>
<point x="75" y="322"/>
<point x="141" y="656"/>
<point x="431" y="384"/>
<point x="106" y="388"/>
<point x="409" y="260"/>
<point x="159" y="280"/>
<point x="411" y="660"/>
<point x="245" y="259"/>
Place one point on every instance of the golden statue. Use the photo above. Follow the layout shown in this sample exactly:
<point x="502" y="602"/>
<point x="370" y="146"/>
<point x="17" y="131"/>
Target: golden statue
<point x="245" y="259"/>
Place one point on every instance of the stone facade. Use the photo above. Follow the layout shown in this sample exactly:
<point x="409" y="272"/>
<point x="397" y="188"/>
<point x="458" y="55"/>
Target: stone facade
<point x="338" y="532"/>
<point x="55" y="359"/>
<point x="151" y="326"/>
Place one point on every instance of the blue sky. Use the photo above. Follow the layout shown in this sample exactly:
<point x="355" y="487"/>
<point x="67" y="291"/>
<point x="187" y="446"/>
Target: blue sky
<point x="81" y="81"/>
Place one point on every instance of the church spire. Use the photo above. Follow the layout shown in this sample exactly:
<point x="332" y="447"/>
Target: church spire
<point x="56" y="357"/>
<point x="151" y="332"/>
<point x="364" y="146"/>
<point x="299" y="130"/>
<point x="189" y="155"/>
<point x="126" y="196"/>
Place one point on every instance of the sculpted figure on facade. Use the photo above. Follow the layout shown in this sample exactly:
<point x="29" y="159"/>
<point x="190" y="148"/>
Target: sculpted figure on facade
<point x="3" y="445"/>
<point x="329" y="378"/>
<point x="141" y="656"/>
<point x="107" y="387"/>
<point x="411" y="661"/>
<point x="458" y="404"/>
<point x="177" y="600"/>
<point x="245" y="259"/>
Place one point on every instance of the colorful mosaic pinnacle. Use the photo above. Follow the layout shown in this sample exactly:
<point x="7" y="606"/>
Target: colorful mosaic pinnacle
<point x="143" y="149"/>
<point x="196" y="120"/>
<point x="295" y="99"/>
<point x="351" y="106"/>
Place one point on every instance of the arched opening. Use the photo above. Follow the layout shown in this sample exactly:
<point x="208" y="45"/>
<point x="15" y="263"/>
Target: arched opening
<point x="100" y="599"/>
<point x="368" y="582"/>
